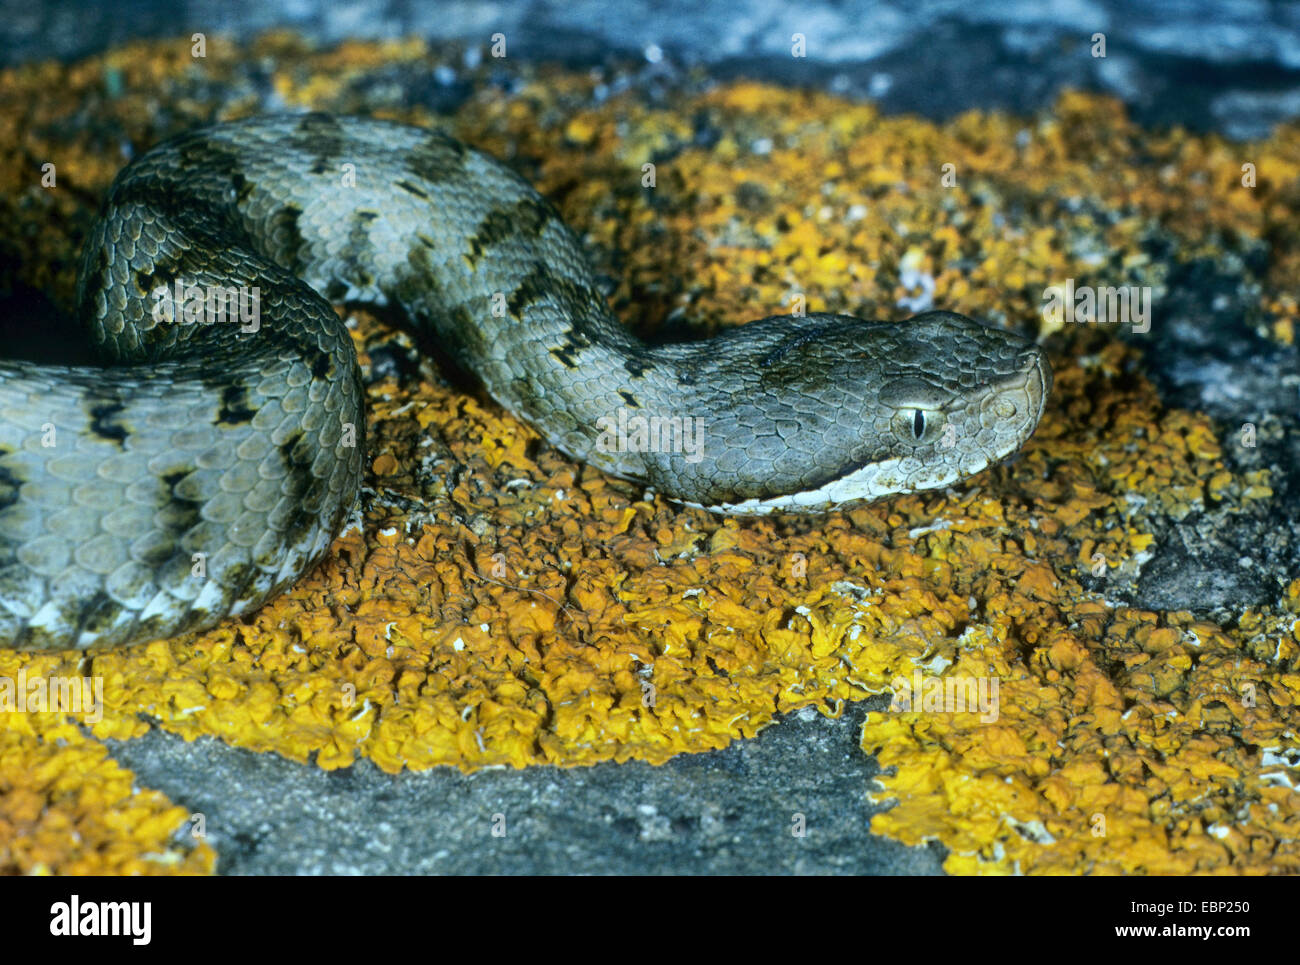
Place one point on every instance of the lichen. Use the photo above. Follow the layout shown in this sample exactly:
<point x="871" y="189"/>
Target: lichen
<point x="499" y="604"/>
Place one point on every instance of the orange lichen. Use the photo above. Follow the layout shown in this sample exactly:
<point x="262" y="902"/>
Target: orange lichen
<point x="65" y="806"/>
<point x="502" y="605"/>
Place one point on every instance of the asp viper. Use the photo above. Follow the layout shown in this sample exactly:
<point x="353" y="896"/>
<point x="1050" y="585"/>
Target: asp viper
<point x="247" y="446"/>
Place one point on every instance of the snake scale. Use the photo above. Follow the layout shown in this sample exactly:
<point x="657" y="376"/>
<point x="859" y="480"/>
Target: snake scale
<point x="206" y="465"/>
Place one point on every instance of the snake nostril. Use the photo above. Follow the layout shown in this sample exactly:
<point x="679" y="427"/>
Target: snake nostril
<point x="1033" y="364"/>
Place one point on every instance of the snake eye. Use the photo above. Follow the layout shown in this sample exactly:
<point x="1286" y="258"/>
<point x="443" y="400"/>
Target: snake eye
<point x="916" y="426"/>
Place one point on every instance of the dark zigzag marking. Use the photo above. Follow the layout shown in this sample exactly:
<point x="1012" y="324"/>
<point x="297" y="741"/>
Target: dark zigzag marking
<point x="96" y="615"/>
<point x="359" y="244"/>
<point x="164" y="275"/>
<point x="285" y="237"/>
<point x="525" y="218"/>
<point x="321" y="137"/>
<point x="105" y="422"/>
<point x="576" y="302"/>
<point x="791" y="342"/>
<point x="234" y="409"/>
<point x="9" y="484"/>
<point x="176" y="514"/>
<point x="410" y="188"/>
<point x="437" y="158"/>
<point x="322" y="367"/>
<point x="296" y="454"/>
<point x="565" y="355"/>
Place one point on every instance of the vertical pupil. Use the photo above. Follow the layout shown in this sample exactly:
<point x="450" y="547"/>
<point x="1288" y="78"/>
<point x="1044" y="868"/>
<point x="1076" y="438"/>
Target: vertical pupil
<point x="918" y="423"/>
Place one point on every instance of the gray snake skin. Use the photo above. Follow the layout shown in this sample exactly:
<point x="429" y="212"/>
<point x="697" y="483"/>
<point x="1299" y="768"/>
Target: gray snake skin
<point x="212" y="459"/>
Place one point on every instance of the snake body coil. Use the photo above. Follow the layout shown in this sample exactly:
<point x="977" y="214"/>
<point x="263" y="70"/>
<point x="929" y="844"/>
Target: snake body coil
<point x="208" y="465"/>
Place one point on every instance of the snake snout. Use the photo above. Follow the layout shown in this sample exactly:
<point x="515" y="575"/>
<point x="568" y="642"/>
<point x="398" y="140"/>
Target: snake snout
<point x="1037" y="372"/>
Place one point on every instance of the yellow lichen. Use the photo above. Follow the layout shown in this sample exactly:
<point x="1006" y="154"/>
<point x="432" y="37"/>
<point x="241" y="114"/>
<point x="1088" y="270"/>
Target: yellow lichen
<point x="532" y="610"/>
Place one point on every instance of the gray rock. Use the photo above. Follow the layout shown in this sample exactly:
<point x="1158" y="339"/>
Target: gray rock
<point x="725" y="812"/>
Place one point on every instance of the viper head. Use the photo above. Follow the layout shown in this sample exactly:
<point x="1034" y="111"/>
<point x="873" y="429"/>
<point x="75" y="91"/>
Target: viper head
<point x="838" y="410"/>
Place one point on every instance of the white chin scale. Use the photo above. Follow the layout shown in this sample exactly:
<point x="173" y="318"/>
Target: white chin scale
<point x="862" y="485"/>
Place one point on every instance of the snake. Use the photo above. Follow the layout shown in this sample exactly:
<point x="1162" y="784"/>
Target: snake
<point x="216" y="447"/>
